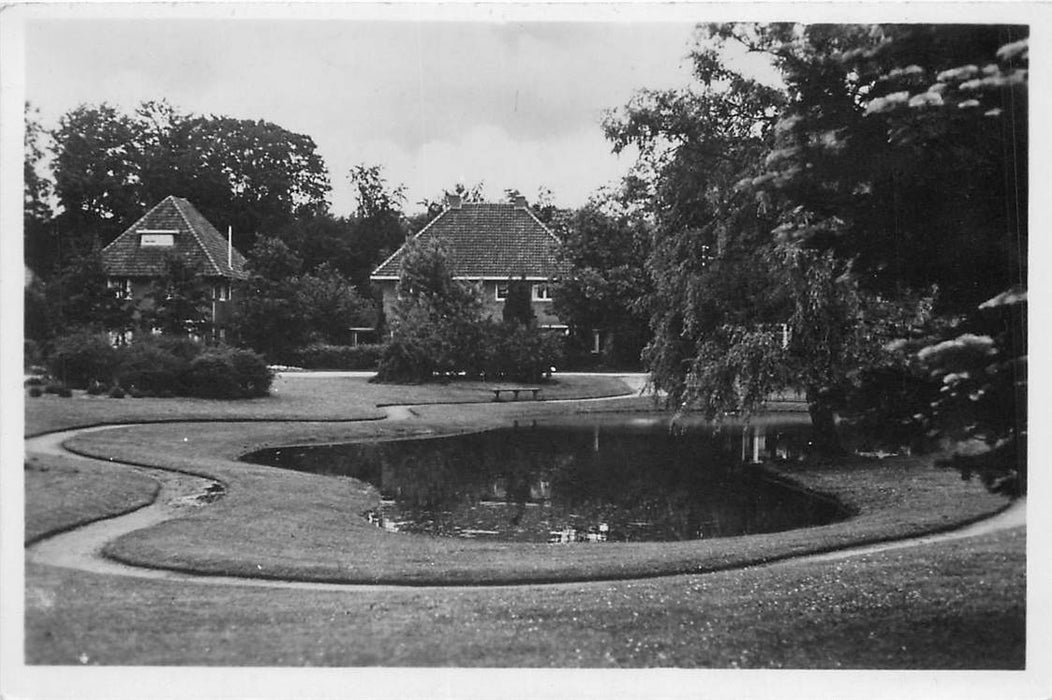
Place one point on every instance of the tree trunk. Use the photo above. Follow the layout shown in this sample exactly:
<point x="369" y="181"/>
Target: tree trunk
<point x="825" y="441"/>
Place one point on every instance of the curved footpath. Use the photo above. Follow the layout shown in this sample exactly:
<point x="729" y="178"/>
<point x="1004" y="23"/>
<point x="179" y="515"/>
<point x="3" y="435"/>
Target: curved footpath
<point x="81" y="547"/>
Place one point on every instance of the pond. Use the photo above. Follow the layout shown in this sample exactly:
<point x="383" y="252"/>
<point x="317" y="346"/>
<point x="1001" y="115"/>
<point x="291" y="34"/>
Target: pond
<point x="587" y="479"/>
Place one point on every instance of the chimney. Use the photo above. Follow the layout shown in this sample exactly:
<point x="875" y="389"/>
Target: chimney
<point x="453" y="201"/>
<point x="519" y="201"/>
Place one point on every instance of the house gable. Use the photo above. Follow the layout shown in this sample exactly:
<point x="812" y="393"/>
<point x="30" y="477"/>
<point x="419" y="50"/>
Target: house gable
<point x="488" y="242"/>
<point x="172" y="228"/>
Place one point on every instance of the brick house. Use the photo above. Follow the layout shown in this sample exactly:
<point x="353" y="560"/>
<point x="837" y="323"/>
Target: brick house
<point x="138" y="257"/>
<point x="490" y="244"/>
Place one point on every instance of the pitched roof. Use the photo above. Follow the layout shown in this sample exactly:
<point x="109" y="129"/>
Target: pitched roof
<point x="488" y="240"/>
<point x="195" y="240"/>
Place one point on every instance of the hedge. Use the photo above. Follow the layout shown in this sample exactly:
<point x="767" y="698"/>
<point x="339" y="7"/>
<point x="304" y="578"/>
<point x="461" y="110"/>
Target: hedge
<point x="343" y="357"/>
<point x="160" y="366"/>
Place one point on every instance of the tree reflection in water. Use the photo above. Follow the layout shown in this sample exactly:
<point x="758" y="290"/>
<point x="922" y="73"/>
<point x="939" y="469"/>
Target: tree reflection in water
<point x="612" y="480"/>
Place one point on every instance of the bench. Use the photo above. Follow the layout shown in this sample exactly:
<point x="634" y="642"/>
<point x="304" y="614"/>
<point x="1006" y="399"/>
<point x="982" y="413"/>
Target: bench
<point x="515" y="392"/>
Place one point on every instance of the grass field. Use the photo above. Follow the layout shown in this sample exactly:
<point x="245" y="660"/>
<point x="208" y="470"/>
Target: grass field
<point x="951" y="605"/>
<point x="63" y="493"/>
<point x="928" y="607"/>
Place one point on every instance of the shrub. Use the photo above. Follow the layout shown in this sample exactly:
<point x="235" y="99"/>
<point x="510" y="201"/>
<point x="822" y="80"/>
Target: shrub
<point x="151" y="369"/>
<point x="179" y="346"/>
<point x="36" y="391"/>
<point x="116" y="392"/>
<point x="33" y="381"/>
<point x="96" y="388"/>
<point x="65" y="392"/>
<point x="80" y="358"/>
<point x="226" y="373"/>
<point x="343" y="357"/>
<point x="519" y="353"/>
<point x="402" y="360"/>
<point x="53" y="388"/>
<point x="251" y="373"/>
<point x="211" y="376"/>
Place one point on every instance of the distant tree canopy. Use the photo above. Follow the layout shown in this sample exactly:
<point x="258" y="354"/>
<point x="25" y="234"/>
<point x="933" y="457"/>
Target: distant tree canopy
<point x="109" y="167"/>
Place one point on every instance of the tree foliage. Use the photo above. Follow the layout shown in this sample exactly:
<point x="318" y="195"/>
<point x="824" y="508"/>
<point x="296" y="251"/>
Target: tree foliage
<point x="249" y="174"/>
<point x="606" y="249"/>
<point x="177" y="303"/>
<point x="874" y="198"/>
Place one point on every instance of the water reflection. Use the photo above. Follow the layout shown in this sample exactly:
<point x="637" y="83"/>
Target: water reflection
<point x="612" y="480"/>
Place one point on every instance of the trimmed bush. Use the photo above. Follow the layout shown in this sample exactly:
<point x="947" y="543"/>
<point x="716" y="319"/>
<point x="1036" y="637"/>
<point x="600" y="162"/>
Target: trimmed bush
<point x="211" y="376"/>
<point x="342" y="357"/>
<point x="252" y="375"/>
<point x="402" y="360"/>
<point x="96" y="388"/>
<point x="33" y="381"/>
<point x="80" y="358"/>
<point x="116" y="392"/>
<point x="519" y="353"/>
<point x="65" y="392"/>
<point x="225" y="373"/>
<point x="36" y="391"/>
<point x="150" y="370"/>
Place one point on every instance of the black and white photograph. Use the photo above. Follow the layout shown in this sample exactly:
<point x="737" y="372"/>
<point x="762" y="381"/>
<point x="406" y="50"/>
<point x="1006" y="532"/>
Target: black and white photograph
<point x="458" y="350"/>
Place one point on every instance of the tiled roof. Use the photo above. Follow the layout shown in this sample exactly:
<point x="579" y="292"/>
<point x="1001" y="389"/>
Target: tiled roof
<point x="489" y="240"/>
<point x="196" y="241"/>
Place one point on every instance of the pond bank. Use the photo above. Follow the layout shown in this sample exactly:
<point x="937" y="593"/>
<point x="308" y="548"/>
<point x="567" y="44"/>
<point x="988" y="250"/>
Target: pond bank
<point x="274" y="524"/>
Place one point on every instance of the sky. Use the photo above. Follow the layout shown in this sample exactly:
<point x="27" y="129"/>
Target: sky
<point x="511" y="104"/>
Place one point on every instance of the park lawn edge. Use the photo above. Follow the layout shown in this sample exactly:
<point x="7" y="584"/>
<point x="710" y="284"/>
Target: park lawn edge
<point x="110" y="496"/>
<point x="345" y="549"/>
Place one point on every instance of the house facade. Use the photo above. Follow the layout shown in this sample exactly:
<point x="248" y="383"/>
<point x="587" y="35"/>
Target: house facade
<point x="174" y="228"/>
<point x="490" y="245"/>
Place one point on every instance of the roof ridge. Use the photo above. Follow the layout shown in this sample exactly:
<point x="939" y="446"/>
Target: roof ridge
<point x="197" y="236"/>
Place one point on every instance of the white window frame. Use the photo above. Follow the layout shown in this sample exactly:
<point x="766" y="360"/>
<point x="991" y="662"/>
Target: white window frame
<point x="540" y="291"/>
<point x="497" y="289"/>
<point x="157" y="238"/>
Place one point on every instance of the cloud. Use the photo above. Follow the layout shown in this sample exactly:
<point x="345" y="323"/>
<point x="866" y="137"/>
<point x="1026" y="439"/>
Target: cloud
<point x="572" y="165"/>
<point x="517" y="104"/>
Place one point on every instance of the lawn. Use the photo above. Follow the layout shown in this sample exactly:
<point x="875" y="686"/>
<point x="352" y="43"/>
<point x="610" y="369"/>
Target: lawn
<point x="926" y="607"/>
<point x="280" y="524"/>
<point x="294" y="397"/>
<point x="62" y="493"/>
<point x="951" y="605"/>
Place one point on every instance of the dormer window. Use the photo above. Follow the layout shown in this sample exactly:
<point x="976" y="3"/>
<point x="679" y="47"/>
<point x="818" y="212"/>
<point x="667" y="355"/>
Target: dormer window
<point x="157" y="238"/>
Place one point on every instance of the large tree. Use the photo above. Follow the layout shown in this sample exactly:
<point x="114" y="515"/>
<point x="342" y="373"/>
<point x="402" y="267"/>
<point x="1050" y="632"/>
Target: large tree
<point x="436" y="324"/>
<point x="742" y="306"/>
<point x="606" y="248"/>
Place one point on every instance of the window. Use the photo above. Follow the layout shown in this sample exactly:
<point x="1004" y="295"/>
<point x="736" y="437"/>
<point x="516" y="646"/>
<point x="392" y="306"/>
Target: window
<point x="157" y="238"/>
<point x="121" y="286"/>
<point x="502" y="291"/>
<point x="221" y="291"/>
<point x="596" y="344"/>
<point x="542" y="292"/>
